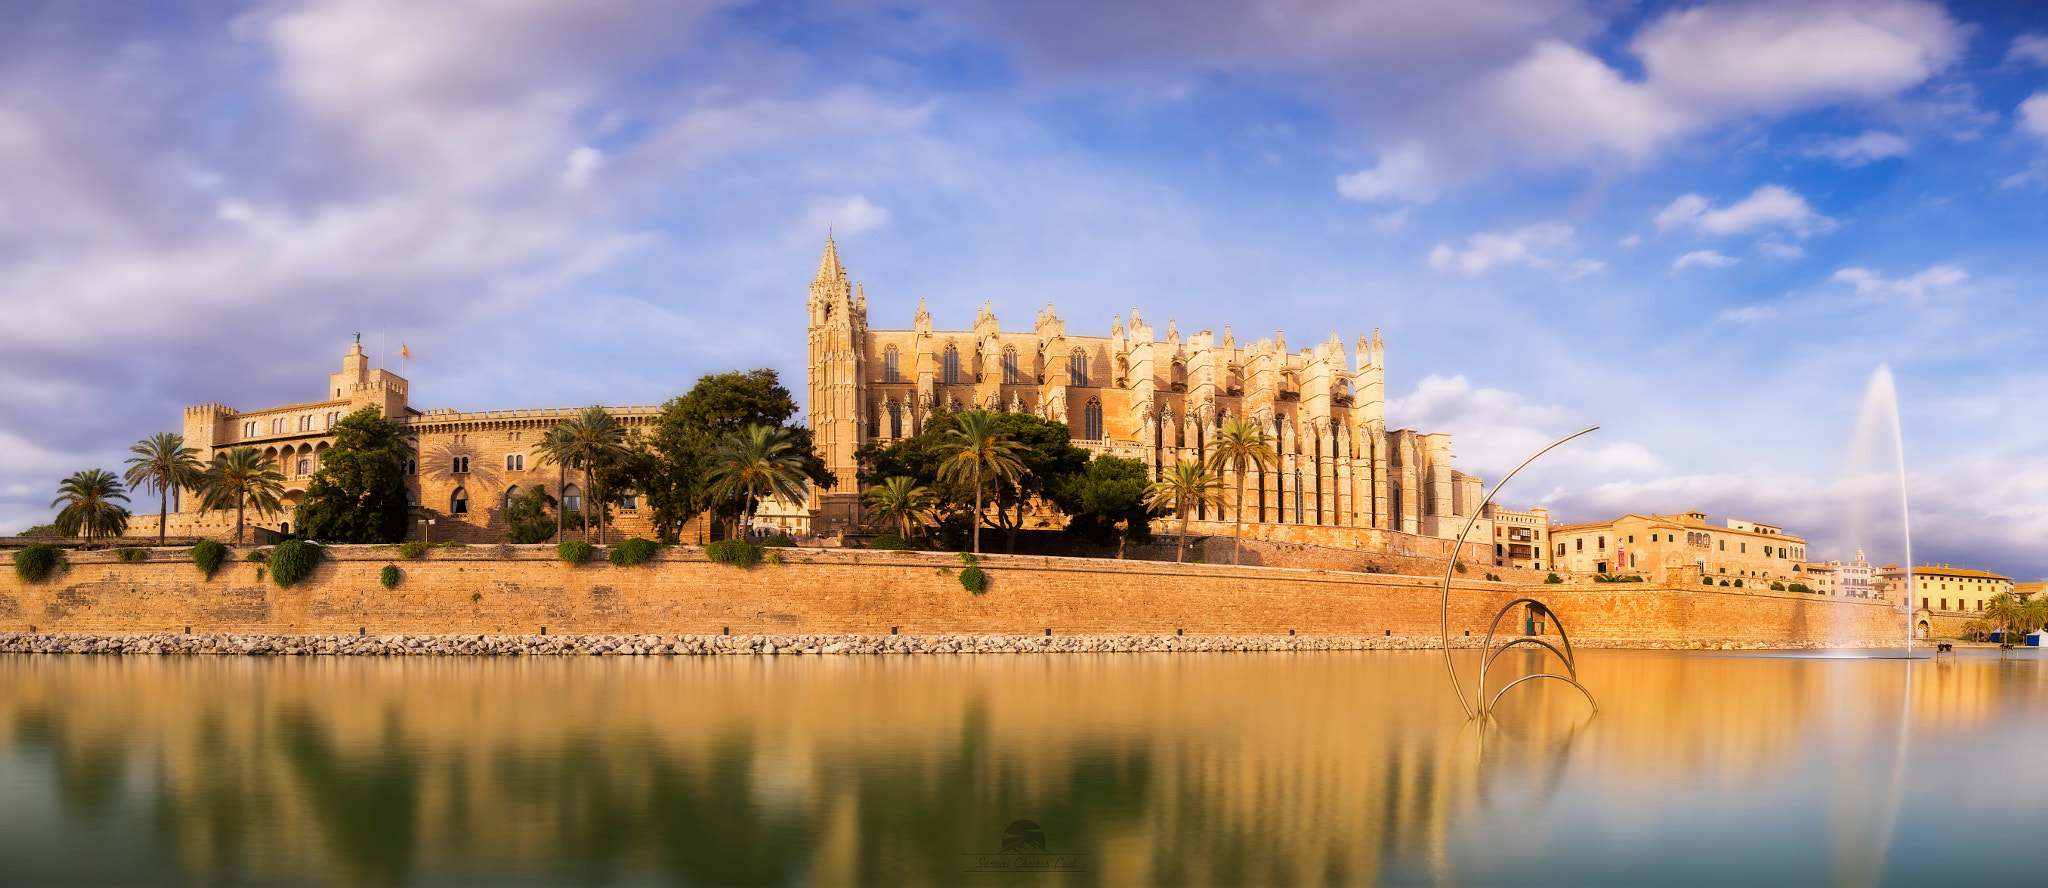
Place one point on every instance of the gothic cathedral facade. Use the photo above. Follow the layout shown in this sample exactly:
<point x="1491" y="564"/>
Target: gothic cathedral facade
<point x="1343" y="477"/>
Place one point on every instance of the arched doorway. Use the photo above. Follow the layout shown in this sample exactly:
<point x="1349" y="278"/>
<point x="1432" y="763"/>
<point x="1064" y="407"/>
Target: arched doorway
<point x="1923" y="629"/>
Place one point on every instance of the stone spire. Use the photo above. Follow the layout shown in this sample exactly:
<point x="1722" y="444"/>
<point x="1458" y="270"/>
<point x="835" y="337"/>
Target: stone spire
<point x="829" y="269"/>
<point x="922" y="321"/>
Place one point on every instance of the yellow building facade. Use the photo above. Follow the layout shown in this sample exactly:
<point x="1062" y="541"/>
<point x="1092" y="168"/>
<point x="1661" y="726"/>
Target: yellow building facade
<point x="1141" y="395"/>
<point x="1679" y="549"/>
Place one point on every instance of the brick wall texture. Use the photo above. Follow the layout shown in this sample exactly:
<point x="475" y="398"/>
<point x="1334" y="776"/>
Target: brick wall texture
<point x="521" y="589"/>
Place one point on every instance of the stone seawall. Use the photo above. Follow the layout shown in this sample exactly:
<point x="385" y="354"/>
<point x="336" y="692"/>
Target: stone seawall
<point x="521" y="590"/>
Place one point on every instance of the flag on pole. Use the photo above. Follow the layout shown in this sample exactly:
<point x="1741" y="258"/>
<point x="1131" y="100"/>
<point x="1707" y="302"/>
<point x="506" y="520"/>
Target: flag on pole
<point x="404" y="352"/>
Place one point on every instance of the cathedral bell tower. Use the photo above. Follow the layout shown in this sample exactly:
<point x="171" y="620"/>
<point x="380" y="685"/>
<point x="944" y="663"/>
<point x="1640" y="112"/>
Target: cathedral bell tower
<point x="838" y="414"/>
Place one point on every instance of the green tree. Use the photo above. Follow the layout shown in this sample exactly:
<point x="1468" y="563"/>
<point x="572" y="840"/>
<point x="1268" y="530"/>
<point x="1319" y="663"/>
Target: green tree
<point x="755" y="462"/>
<point x="977" y="451"/>
<point x="88" y="499"/>
<point x="588" y="440"/>
<point x="1240" y="446"/>
<point x="689" y="428"/>
<point x="1189" y="484"/>
<point x="161" y="464"/>
<point x="527" y="515"/>
<point x="2015" y="616"/>
<point x="1107" y="501"/>
<point x="241" y="479"/>
<point x="900" y="499"/>
<point x="358" y="495"/>
<point x="1045" y="450"/>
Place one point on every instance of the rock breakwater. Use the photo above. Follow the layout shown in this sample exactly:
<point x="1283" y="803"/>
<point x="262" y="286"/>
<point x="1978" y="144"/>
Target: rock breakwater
<point x="715" y="645"/>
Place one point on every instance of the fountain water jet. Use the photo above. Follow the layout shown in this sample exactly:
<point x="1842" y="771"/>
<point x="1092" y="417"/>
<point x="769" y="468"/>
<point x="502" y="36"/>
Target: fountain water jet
<point x="1878" y="420"/>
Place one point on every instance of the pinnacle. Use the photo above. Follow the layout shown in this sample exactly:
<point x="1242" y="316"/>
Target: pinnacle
<point x="829" y="269"/>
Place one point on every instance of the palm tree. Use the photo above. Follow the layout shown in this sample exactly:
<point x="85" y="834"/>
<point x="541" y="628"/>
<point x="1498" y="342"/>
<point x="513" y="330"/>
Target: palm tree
<point x="1240" y="446"/>
<point x="88" y="500"/>
<point x="591" y="437"/>
<point x="2014" y="616"/>
<point x="241" y="479"/>
<point x="756" y="460"/>
<point x="162" y="463"/>
<point x="1188" y="485"/>
<point x="554" y="447"/>
<point x="900" y="499"/>
<point x="976" y="448"/>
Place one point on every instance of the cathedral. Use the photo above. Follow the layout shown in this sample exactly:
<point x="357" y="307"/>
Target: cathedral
<point x="1343" y="478"/>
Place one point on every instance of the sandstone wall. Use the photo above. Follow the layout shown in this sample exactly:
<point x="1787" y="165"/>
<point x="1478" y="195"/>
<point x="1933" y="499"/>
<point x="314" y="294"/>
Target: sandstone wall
<point x="520" y="589"/>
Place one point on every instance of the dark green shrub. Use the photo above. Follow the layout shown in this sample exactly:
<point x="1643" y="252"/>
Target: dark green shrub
<point x="778" y="542"/>
<point x="208" y="555"/>
<point x="1724" y="582"/>
<point x="1459" y="566"/>
<point x="453" y="544"/>
<point x="1493" y="578"/>
<point x="1707" y="580"/>
<point x="1738" y="584"/>
<point x="1799" y="587"/>
<point x="257" y="555"/>
<point x="968" y="558"/>
<point x="974" y="580"/>
<point x="1553" y="578"/>
<point x="35" y="562"/>
<point x="773" y="557"/>
<point x="890" y="542"/>
<point x="131" y="555"/>
<point x="414" y="549"/>
<point x="292" y="560"/>
<point x="1777" y="587"/>
<point x="573" y="551"/>
<point x="738" y="553"/>
<point x="633" y="551"/>
<point x="1616" y="578"/>
<point x="388" y="576"/>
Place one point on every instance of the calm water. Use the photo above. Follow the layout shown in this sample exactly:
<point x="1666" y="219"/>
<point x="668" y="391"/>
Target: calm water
<point x="1229" y="769"/>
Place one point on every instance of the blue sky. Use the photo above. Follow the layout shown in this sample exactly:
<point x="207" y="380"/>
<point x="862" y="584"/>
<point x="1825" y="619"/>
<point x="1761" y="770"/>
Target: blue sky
<point x="1701" y="226"/>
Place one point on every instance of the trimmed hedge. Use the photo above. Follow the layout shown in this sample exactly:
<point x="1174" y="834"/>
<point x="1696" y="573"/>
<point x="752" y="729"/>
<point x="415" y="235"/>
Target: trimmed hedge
<point x="890" y="542"/>
<point x="738" y="553"/>
<point x="1798" y="587"/>
<point x="573" y="551"/>
<point x="633" y="551"/>
<point x="35" y="562"/>
<point x="778" y="542"/>
<point x="388" y="576"/>
<point x="1553" y="578"/>
<point x="973" y="579"/>
<point x="292" y="560"/>
<point x="414" y="549"/>
<point x="131" y="554"/>
<point x="1777" y="587"/>
<point x="208" y="555"/>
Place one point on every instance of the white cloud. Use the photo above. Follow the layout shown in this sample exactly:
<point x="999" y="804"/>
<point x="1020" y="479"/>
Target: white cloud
<point x="1869" y="147"/>
<point x="1483" y="251"/>
<point x="1769" y="206"/>
<point x="1870" y="283"/>
<point x="841" y="216"/>
<point x="1749" y="314"/>
<point x="2033" y="114"/>
<point x="1496" y="429"/>
<point x="581" y="165"/>
<point x="1704" y="258"/>
<point x="2029" y="48"/>
<point x="1631" y="242"/>
<point x="1582" y="267"/>
<point x="1704" y="66"/>
<point x="1403" y="173"/>
<point x="1777" y="250"/>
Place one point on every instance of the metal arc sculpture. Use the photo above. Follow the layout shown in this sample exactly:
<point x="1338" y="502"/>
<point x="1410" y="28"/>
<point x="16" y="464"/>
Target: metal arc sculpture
<point x="1487" y="652"/>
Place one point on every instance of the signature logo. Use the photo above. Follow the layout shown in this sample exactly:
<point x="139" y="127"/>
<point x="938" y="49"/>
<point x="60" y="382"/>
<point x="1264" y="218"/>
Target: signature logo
<point x="1023" y="836"/>
<point x="1025" y="849"/>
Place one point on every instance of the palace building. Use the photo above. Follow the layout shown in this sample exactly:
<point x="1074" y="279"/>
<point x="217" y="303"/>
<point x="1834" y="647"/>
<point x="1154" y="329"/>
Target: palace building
<point x="1343" y="477"/>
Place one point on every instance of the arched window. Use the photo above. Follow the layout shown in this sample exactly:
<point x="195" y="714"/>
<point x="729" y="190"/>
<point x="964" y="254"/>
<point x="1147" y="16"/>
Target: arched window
<point x="890" y="367"/>
<point x="572" y="499"/>
<point x="952" y="366"/>
<point x="1091" y="421"/>
<point x="458" y="502"/>
<point x="511" y="493"/>
<point x="305" y="466"/>
<point x="1009" y="365"/>
<point x="461" y="465"/>
<point x="895" y="418"/>
<point x="1077" y="367"/>
<point x="1180" y="377"/>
